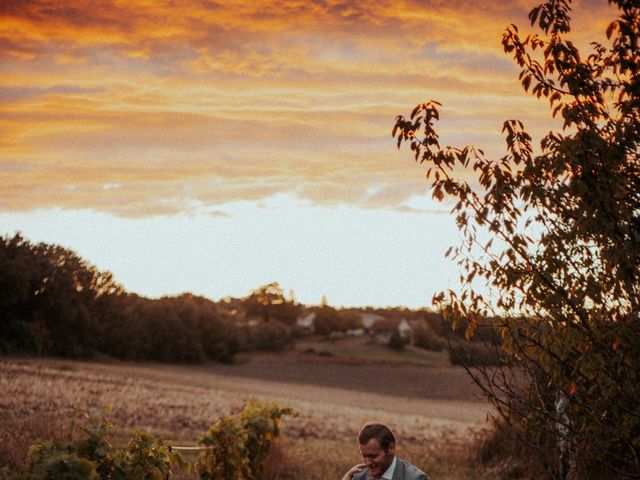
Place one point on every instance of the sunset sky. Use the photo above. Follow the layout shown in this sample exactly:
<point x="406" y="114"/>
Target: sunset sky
<point x="215" y="146"/>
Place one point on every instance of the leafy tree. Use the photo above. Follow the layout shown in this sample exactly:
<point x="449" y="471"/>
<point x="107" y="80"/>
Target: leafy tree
<point x="425" y="337"/>
<point x="349" y="319"/>
<point x="329" y="320"/>
<point x="50" y="298"/>
<point x="273" y="336"/>
<point x="269" y="302"/>
<point x="186" y="328"/>
<point x="563" y="254"/>
<point x="53" y="302"/>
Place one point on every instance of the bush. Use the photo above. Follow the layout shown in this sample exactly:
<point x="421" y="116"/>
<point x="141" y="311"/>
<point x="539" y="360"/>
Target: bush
<point x="144" y="457"/>
<point x="238" y="445"/>
<point x="329" y="320"/>
<point x="48" y="461"/>
<point x="326" y="321"/>
<point x="235" y="447"/>
<point x="227" y="456"/>
<point x="397" y="342"/>
<point x="271" y="336"/>
<point x="425" y="337"/>
<point x="94" y="458"/>
<point x="262" y="424"/>
<point x="498" y="451"/>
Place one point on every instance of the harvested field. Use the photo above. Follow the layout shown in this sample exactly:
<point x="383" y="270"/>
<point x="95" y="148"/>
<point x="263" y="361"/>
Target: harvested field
<point x="331" y="399"/>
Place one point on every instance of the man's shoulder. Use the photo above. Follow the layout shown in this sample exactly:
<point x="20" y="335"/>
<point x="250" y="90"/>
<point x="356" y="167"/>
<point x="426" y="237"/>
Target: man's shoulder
<point x="404" y="471"/>
<point x="411" y="472"/>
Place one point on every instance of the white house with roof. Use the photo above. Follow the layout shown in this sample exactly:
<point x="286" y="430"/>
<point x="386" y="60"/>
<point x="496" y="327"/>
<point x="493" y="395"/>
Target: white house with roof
<point x="384" y="329"/>
<point x="369" y="319"/>
<point x="306" y="320"/>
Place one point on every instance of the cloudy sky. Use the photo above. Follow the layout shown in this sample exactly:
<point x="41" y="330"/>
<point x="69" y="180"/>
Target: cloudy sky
<point x="215" y="146"/>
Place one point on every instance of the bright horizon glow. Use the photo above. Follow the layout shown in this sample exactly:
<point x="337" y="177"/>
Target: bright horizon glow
<point x="310" y="250"/>
<point x="223" y="146"/>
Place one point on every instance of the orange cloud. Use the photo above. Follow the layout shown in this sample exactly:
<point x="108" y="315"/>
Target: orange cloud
<point x="145" y="108"/>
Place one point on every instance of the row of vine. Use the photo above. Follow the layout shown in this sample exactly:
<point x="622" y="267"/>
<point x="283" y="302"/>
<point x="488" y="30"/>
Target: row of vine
<point x="235" y="447"/>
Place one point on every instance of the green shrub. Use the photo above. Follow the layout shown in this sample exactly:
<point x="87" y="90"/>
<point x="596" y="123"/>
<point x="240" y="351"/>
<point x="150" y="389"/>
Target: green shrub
<point x="49" y="461"/>
<point x="262" y="424"/>
<point x="329" y="320"/>
<point x="238" y="445"/>
<point x="426" y="337"/>
<point x="271" y="336"/>
<point x="397" y="342"/>
<point x="92" y="457"/>
<point x="235" y="447"/>
<point x="145" y="458"/>
<point x="226" y="457"/>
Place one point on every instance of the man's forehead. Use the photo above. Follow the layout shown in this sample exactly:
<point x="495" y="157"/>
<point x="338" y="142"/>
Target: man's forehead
<point x="372" y="445"/>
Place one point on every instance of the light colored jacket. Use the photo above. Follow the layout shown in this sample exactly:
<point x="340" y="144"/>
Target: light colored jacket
<point x="404" y="471"/>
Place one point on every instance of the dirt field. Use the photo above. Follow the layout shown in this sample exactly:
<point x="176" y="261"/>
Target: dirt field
<point x="331" y="398"/>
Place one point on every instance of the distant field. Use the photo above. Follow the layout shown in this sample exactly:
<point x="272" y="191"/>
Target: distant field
<point x="360" y="348"/>
<point x="425" y="405"/>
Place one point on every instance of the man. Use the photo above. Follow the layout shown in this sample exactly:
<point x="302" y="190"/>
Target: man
<point x="378" y="447"/>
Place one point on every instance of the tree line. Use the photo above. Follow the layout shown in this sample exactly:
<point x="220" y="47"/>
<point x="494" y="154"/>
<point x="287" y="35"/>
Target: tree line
<point x="55" y="303"/>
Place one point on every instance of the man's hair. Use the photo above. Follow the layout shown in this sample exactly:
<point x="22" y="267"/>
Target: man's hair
<point x="380" y="432"/>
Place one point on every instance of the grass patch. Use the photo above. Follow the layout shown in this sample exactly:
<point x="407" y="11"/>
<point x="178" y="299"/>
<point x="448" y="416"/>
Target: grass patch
<point x="362" y="349"/>
<point x="319" y="459"/>
<point x="18" y="432"/>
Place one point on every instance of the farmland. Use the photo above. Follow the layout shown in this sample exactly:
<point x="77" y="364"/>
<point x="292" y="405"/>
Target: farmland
<point x="433" y="409"/>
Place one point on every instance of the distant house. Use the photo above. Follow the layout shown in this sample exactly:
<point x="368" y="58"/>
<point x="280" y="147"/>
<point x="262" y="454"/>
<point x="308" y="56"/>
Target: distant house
<point x="306" y="320"/>
<point x="369" y="319"/>
<point x="406" y="331"/>
<point x="384" y="329"/>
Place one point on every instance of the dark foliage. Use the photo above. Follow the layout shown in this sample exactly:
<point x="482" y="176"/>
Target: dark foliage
<point x="562" y="253"/>
<point x="270" y="303"/>
<point x="50" y="299"/>
<point x="397" y="342"/>
<point x="54" y="303"/>
<point x="329" y="320"/>
<point x="273" y="336"/>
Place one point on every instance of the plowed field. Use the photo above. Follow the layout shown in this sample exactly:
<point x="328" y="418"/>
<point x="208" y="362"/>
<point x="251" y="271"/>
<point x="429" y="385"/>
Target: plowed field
<point x="331" y="399"/>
